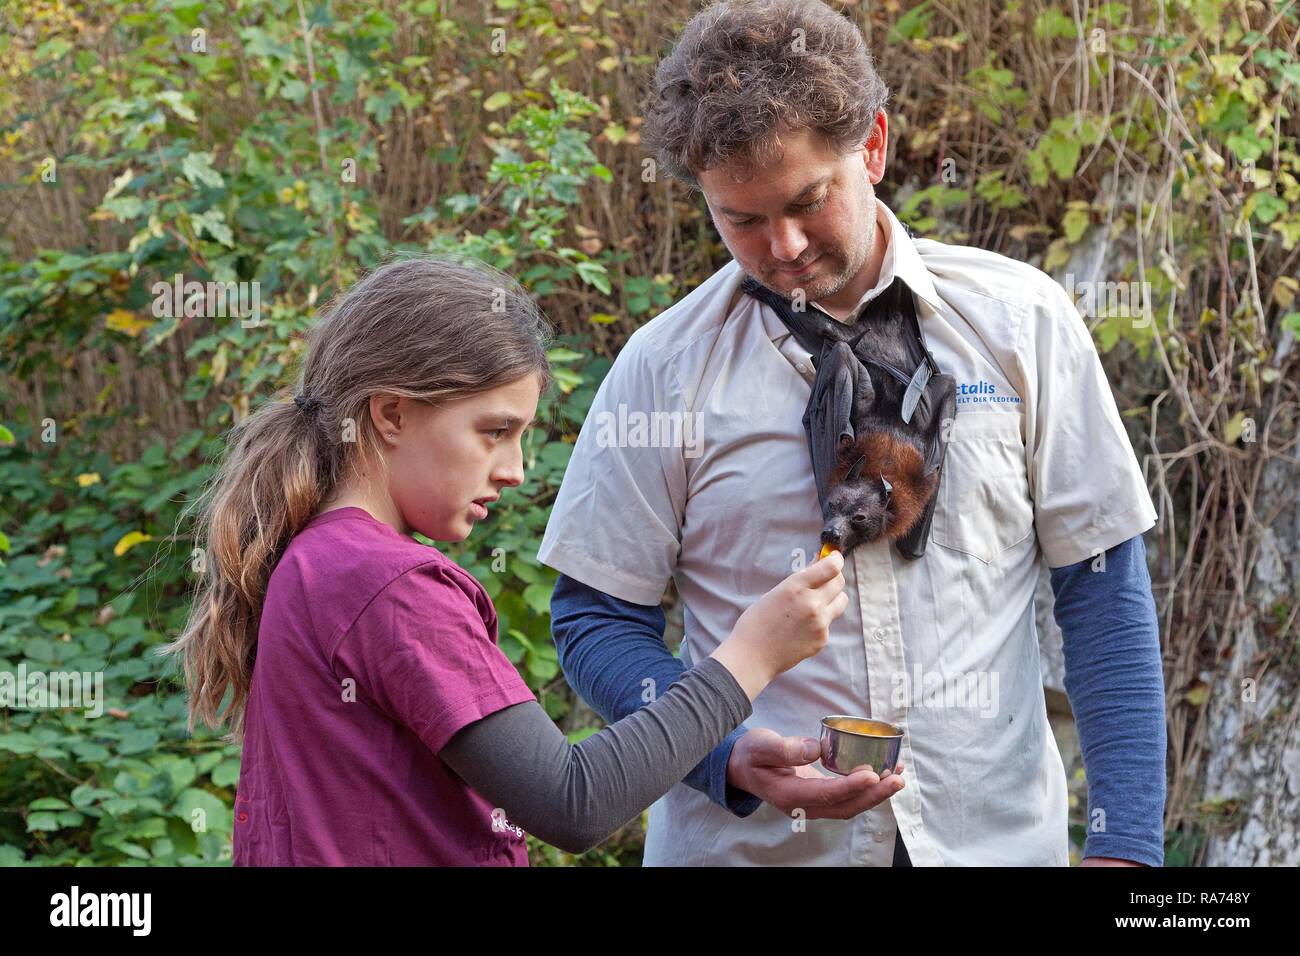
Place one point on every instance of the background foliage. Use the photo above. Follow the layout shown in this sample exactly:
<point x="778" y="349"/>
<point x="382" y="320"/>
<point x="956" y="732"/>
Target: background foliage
<point x="299" y="143"/>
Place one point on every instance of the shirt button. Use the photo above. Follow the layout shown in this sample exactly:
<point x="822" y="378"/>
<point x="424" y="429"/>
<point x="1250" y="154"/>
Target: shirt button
<point x="878" y="837"/>
<point x="880" y="633"/>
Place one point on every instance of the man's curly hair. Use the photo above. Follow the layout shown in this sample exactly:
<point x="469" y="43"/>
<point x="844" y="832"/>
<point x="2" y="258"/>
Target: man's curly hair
<point x="746" y="72"/>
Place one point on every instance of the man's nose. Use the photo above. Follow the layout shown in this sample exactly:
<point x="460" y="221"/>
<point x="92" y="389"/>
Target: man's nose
<point x="788" y="240"/>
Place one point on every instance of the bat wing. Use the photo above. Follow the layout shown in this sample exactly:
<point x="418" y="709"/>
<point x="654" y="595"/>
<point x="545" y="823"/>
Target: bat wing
<point x="933" y="417"/>
<point x="840" y="391"/>
<point x="937" y="406"/>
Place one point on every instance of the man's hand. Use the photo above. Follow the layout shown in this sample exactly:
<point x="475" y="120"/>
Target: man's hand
<point x="775" y="769"/>
<point x="1097" y="860"/>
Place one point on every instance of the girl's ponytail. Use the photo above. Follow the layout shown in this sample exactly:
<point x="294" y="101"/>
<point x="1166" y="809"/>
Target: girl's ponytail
<point x="431" y="329"/>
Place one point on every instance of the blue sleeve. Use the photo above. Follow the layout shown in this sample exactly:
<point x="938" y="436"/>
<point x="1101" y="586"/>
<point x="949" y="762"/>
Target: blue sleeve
<point x="1116" y="686"/>
<point x="613" y="654"/>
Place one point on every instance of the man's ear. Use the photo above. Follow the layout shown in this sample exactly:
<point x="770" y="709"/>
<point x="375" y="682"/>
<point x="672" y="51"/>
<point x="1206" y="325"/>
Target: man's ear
<point x="876" y="148"/>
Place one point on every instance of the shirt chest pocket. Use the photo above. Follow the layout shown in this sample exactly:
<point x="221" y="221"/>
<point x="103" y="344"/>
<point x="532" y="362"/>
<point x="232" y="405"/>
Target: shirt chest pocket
<point x="984" y="505"/>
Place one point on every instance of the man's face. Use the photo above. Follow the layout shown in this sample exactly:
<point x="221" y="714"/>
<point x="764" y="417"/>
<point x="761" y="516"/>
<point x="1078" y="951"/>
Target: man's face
<point x="808" y="223"/>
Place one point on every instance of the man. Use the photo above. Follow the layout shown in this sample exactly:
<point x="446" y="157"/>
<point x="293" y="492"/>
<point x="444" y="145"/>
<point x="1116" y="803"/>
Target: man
<point x="773" y="110"/>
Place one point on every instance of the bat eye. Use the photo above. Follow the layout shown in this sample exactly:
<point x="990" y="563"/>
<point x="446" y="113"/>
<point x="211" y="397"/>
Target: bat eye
<point x="859" y="519"/>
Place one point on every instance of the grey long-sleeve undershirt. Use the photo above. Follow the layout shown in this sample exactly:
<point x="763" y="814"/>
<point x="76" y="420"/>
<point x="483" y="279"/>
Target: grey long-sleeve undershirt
<point x="573" y="797"/>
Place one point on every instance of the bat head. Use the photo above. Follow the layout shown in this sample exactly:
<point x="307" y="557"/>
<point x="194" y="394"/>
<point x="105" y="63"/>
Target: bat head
<point x="878" y="490"/>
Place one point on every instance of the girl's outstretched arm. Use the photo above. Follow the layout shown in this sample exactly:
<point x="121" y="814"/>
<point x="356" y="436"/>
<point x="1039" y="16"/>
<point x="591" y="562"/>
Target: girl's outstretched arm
<point x="573" y="797"/>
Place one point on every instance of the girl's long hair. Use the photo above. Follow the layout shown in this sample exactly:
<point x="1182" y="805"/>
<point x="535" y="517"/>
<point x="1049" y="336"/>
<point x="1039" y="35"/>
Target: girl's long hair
<point x="431" y="329"/>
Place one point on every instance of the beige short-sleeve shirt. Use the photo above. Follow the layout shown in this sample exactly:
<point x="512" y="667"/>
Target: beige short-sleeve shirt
<point x="693" y="466"/>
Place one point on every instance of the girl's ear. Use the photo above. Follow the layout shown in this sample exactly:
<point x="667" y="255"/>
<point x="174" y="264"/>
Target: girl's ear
<point x="386" y="413"/>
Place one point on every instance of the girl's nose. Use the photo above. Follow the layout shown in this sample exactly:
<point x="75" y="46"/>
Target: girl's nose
<point x="510" y="473"/>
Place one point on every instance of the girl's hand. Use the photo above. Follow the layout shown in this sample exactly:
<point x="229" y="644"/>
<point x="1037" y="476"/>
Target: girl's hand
<point x="789" y="623"/>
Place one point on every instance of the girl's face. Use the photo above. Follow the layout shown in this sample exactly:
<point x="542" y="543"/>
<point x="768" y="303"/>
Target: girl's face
<point x="447" y="464"/>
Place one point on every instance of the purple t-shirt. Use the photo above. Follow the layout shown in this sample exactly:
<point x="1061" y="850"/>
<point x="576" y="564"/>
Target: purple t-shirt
<point x="373" y="651"/>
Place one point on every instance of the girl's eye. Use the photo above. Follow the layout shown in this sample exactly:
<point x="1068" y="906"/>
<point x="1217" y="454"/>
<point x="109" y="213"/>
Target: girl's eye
<point x="809" y="208"/>
<point x="497" y="433"/>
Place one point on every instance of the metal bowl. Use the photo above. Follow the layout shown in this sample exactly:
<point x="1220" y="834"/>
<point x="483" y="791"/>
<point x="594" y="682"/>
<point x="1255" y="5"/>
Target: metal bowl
<point x="852" y="742"/>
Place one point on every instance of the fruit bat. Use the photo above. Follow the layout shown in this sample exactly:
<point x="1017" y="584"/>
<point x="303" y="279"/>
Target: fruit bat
<point x="875" y="421"/>
<point x="877" y="475"/>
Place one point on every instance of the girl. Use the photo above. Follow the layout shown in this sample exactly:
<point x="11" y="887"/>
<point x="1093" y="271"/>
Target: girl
<point x="380" y="722"/>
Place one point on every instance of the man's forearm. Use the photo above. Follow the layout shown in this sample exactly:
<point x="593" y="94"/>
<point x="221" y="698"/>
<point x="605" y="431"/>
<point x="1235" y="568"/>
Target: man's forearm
<point x="613" y="654"/>
<point x="1115" y="683"/>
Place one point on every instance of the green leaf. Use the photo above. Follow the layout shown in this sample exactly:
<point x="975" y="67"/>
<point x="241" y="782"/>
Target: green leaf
<point x="213" y="222"/>
<point x="1075" y="223"/>
<point x="1247" y="146"/>
<point x="39" y="649"/>
<point x="226" y="774"/>
<point x="496" y="101"/>
<point x="67" y="603"/>
<point x="52" y="49"/>
<point x="1232" y="431"/>
<point x="18" y="743"/>
<point x="566" y="379"/>
<point x="1290" y="230"/>
<point x="11" y="856"/>
<point x="593" y="273"/>
<point x="175" y="99"/>
<point x="913" y="24"/>
<point x="215" y="815"/>
<point x="294" y="90"/>
<point x="1265" y="206"/>
<point x="542" y="665"/>
<point x="182" y="773"/>
<point x="48" y="803"/>
<point x="42" y="821"/>
<point x="1063" y="154"/>
<point x="208" y="761"/>
<point x="124" y="208"/>
<point x="137" y="742"/>
<point x="380" y="105"/>
<point x="130" y="849"/>
<point x="1052" y="24"/>
<point x="89" y="752"/>
<point x="538" y="597"/>
<point x="197" y="168"/>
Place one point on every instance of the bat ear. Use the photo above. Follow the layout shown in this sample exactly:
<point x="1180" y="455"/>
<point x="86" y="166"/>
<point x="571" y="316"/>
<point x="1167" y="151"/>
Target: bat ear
<point x="864" y="398"/>
<point x="855" y="472"/>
